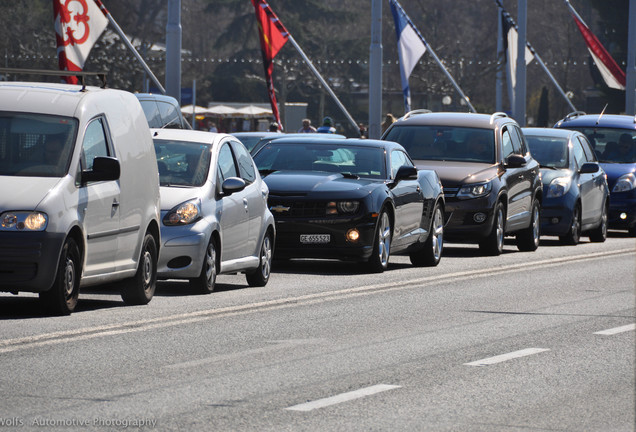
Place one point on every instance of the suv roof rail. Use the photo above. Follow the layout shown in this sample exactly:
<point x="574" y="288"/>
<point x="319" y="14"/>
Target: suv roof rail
<point x="415" y="112"/>
<point x="573" y="114"/>
<point x="497" y="115"/>
<point x="79" y="74"/>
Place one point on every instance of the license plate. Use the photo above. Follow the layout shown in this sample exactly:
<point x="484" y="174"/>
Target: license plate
<point x="315" y="238"/>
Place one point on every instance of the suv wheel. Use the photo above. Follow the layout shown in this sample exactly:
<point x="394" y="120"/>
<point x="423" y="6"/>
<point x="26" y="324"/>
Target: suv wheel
<point x="528" y="239"/>
<point x="493" y="244"/>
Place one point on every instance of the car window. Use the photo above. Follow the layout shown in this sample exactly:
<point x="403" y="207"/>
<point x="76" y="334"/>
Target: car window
<point x="515" y="136"/>
<point x="245" y="163"/>
<point x="151" y="111"/>
<point x="578" y="153"/>
<point x="590" y="156"/>
<point x="506" y="143"/>
<point x="169" y="115"/>
<point x="227" y="167"/>
<point x="605" y="142"/>
<point x="182" y="163"/>
<point x="549" y="151"/>
<point x="94" y="143"/>
<point x="398" y="159"/>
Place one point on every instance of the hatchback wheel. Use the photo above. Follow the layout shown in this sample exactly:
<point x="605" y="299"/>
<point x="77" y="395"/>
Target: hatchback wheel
<point x="574" y="234"/>
<point x="206" y="281"/>
<point x="260" y="276"/>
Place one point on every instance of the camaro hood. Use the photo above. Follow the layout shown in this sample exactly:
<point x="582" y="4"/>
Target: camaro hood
<point x="25" y="193"/>
<point x="453" y="174"/>
<point x="615" y="170"/>
<point x="172" y="196"/>
<point x="298" y="183"/>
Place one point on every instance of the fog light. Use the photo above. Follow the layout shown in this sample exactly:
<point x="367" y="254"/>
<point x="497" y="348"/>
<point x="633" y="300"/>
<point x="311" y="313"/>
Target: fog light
<point x="623" y="216"/>
<point x="479" y="217"/>
<point x="555" y="220"/>
<point x="353" y="235"/>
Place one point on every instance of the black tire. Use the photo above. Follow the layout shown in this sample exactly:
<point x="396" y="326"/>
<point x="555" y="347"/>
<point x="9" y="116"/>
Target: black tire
<point x="599" y="234"/>
<point x="139" y="289"/>
<point x="379" y="260"/>
<point x="431" y="254"/>
<point x="206" y="281"/>
<point x="62" y="298"/>
<point x="260" y="276"/>
<point x="573" y="235"/>
<point x="528" y="239"/>
<point x="493" y="244"/>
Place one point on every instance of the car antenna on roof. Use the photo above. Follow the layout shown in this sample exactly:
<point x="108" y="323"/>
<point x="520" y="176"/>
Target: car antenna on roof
<point x="601" y="114"/>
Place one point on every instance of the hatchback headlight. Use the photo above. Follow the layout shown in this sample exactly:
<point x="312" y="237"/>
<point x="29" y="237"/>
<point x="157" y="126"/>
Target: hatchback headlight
<point x="559" y="187"/>
<point x="23" y="221"/>
<point x="183" y="214"/>
<point x="625" y="183"/>
<point x="475" y="190"/>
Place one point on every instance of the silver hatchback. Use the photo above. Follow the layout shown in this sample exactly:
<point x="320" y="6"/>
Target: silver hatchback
<point x="214" y="215"/>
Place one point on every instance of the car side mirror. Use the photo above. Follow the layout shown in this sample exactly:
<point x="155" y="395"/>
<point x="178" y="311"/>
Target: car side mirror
<point x="406" y="172"/>
<point x="232" y="185"/>
<point x="515" y="161"/>
<point x="589" y="168"/>
<point x="104" y="169"/>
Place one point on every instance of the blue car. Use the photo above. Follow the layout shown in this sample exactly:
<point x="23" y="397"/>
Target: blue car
<point x="575" y="191"/>
<point x="613" y="139"/>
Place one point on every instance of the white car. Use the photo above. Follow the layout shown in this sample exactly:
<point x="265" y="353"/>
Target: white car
<point x="214" y="214"/>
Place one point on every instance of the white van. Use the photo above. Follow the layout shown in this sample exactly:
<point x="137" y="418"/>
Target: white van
<point x="80" y="193"/>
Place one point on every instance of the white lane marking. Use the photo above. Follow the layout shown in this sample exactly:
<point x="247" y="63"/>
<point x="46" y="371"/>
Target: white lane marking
<point x="9" y="345"/>
<point x="505" y="357"/>
<point x="343" y="397"/>
<point x="616" y="330"/>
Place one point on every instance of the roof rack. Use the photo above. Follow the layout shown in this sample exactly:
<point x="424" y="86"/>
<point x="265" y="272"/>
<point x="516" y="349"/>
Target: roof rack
<point x="415" y="112"/>
<point x="79" y="74"/>
<point x="497" y="115"/>
<point x="573" y="114"/>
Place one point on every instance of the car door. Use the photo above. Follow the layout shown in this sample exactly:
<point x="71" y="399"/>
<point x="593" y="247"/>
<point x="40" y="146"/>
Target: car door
<point x="98" y="205"/>
<point x="587" y="185"/>
<point x="409" y="205"/>
<point x="599" y="190"/>
<point x="518" y="181"/>
<point x="233" y="209"/>
<point x="254" y="196"/>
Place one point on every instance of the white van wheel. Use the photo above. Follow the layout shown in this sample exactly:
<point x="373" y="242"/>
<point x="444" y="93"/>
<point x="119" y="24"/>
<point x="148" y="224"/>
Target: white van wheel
<point x="139" y="289"/>
<point x="61" y="299"/>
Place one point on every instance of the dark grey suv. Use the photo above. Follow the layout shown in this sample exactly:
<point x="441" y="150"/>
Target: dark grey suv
<point x="491" y="182"/>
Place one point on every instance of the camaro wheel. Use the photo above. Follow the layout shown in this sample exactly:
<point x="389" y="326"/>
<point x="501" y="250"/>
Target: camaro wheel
<point x="431" y="254"/>
<point x="260" y="276"/>
<point x="206" y="281"/>
<point x="139" y="289"/>
<point x="528" y="239"/>
<point x="493" y="244"/>
<point x="599" y="234"/>
<point x="574" y="233"/>
<point x="379" y="260"/>
<point x="61" y="299"/>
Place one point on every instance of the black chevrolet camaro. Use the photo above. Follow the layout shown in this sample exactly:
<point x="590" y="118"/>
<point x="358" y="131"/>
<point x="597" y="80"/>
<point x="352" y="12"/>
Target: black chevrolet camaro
<point x="352" y="199"/>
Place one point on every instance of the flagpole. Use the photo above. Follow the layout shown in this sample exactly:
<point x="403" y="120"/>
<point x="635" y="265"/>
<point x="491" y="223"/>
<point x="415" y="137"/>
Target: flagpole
<point x="630" y="87"/>
<point x="129" y="45"/>
<point x="322" y="81"/>
<point x="437" y="60"/>
<point x="538" y="58"/>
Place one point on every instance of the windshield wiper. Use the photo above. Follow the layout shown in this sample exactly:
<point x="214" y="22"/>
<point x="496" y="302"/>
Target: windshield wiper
<point x="266" y="172"/>
<point x="349" y="175"/>
<point x="548" y="166"/>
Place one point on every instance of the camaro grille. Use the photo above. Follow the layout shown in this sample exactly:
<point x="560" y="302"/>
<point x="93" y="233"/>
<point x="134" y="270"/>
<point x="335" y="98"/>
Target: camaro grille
<point x="297" y="209"/>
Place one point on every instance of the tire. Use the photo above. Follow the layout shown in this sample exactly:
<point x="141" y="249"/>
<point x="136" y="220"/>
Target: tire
<point x="139" y="289"/>
<point x="431" y="254"/>
<point x="62" y="298"/>
<point x="599" y="234"/>
<point x="528" y="239"/>
<point x="379" y="260"/>
<point x="493" y="244"/>
<point x="206" y="281"/>
<point x="260" y="276"/>
<point x="573" y="235"/>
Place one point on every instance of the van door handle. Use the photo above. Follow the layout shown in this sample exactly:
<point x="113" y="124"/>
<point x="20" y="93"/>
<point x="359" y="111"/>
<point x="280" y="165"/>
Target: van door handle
<point x="115" y="203"/>
<point x="245" y="203"/>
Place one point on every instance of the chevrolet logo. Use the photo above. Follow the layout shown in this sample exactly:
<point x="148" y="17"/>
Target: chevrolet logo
<point x="279" y="208"/>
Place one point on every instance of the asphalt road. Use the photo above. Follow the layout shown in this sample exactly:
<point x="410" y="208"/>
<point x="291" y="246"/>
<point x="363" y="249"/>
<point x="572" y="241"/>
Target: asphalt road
<point x="528" y="341"/>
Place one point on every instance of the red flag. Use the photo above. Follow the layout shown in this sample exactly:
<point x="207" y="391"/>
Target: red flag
<point x="613" y="75"/>
<point x="78" y="25"/>
<point x="273" y="35"/>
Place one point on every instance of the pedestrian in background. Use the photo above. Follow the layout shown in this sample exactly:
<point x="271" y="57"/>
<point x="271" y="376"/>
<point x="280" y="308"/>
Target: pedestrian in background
<point x="307" y="127"/>
<point x="327" y="126"/>
<point x="388" y="121"/>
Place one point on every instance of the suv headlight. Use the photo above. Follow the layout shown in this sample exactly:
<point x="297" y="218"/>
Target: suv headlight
<point x="342" y="207"/>
<point x="559" y="187"/>
<point x="625" y="183"/>
<point x="475" y="190"/>
<point x="23" y="221"/>
<point x="185" y="213"/>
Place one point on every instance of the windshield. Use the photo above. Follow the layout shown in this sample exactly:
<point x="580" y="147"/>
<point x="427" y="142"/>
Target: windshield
<point x="551" y="152"/>
<point x="36" y="145"/>
<point x="182" y="163"/>
<point x="356" y="160"/>
<point x="445" y="143"/>
<point x="611" y="145"/>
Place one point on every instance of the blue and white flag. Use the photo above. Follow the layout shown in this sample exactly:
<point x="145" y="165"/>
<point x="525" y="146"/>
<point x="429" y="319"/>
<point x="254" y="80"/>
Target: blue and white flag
<point x="411" y="47"/>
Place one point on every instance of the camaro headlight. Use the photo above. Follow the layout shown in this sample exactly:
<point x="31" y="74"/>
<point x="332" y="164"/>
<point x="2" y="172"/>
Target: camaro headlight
<point x="342" y="207"/>
<point x="475" y="190"/>
<point x="183" y="214"/>
<point x="625" y="183"/>
<point x="559" y="187"/>
<point x="23" y="221"/>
